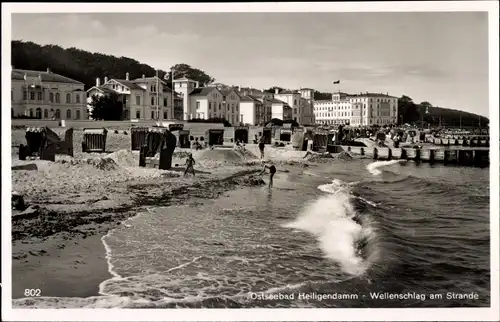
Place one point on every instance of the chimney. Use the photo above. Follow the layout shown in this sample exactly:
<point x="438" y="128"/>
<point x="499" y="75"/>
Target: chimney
<point x="97" y="82"/>
<point x="48" y="70"/>
<point x="143" y="76"/>
<point x="127" y="76"/>
<point x="105" y="79"/>
<point x="276" y="91"/>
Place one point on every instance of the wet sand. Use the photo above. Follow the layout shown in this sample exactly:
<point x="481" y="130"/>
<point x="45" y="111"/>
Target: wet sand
<point x="56" y="243"/>
<point x="57" y="247"/>
<point x="58" y="267"/>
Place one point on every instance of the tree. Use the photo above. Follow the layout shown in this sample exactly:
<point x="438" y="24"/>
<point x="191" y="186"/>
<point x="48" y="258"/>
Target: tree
<point x="408" y="112"/>
<point x="322" y="96"/>
<point x="273" y="89"/>
<point x="185" y="70"/>
<point x="106" y="108"/>
<point x="85" y="66"/>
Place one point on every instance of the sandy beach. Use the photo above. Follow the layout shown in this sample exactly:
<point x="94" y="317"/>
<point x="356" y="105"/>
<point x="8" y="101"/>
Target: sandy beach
<point x="74" y="201"/>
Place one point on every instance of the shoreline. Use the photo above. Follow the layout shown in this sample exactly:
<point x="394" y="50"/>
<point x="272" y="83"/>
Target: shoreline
<point x="56" y="258"/>
<point x="75" y="201"/>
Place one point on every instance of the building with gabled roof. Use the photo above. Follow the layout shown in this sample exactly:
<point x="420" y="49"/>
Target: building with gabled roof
<point x="280" y="110"/>
<point x="253" y="111"/>
<point x="46" y="95"/>
<point x="144" y="98"/>
<point x="209" y="101"/>
<point x="232" y="105"/>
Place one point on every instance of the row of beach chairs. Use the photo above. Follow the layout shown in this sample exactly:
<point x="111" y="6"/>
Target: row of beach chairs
<point x="156" y="144"/>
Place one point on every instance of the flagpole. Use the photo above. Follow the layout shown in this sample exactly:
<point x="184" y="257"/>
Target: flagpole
<point x="157" y="97"/>
<point x="173" y="94"/>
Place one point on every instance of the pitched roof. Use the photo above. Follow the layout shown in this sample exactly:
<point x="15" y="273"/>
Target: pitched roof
<point x="246" y="99"/>
<point x="228" y="91"/>
<point x="277" y="101"/>
<point x="250" y="98"/>
<point x="103" y="89"/>
<point x="288" y="92"/>
<point x="18" y="74"/>
<point x="202" y="91"/>
<point x="129" y="84"/>
<point x="147" y="79"/>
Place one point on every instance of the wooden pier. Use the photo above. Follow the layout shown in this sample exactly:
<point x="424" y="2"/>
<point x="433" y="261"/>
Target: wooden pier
<point x="462" y="156"/>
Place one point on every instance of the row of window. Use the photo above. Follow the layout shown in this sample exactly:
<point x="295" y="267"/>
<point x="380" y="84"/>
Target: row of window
<point x="52" y="98"/>
<point x="233" y="109"/>
<point x="119" y="87"/>
<point x="355" y="106"/>
<point x="57" y="114"/>
<point x="334" y="122"/>
<point x="154" y="114"/>
<point x="153" y="101"/>
<point x="350" y="113"/>
<point x="356" y="121"/>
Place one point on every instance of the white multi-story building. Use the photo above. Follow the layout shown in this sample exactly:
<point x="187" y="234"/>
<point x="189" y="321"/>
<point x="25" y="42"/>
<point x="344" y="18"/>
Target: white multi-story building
<point x="231" y="104"/>
<point x="292" y="98"/>
<point x="257" y="110"/>
<point x="280" y="110"/>
<point x="208" y="102"/>
<point x="46" y="95"/>
<point x="307" y="98"/>
<point x="146" y="98"/>
<point x="357" y="110"/>
<point x="252" y="110"/>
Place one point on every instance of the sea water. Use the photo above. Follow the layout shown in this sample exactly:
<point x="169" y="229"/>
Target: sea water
<point x="342" y="234"/>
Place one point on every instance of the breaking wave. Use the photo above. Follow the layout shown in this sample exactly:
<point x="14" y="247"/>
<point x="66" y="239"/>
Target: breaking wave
<point x="342" y="234"/>
<point x="373" y="167"/>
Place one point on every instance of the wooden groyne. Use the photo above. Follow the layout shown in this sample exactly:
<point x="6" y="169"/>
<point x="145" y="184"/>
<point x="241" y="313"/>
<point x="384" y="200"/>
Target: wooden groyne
<point x="471" y="141"/>
<point x="462" y="156"/>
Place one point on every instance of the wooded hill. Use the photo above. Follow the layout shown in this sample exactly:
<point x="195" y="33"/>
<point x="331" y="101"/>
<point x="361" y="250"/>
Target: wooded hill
<point x="86" y="67"/>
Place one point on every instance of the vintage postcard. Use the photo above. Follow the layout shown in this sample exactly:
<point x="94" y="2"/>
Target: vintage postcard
<point x="250" y="161"/>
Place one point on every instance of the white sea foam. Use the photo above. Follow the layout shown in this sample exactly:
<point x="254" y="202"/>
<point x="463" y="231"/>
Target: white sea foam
<point x="111" y="268"/>
<point x="373" y="167"/>
<point x="331" y="219"/>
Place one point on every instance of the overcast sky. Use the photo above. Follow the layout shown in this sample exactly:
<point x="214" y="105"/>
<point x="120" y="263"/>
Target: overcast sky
<point x="440" y="57"/>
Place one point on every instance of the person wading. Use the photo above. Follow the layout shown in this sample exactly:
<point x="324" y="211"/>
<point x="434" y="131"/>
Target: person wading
<point x="261" y="147"/>
<point x="272" y="171"/>
<point x="189" y="164"/>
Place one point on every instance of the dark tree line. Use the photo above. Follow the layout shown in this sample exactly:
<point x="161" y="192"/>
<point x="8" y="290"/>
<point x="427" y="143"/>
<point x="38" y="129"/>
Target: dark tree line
<point x="411" y="112"/>
<point x="85" y="66"/>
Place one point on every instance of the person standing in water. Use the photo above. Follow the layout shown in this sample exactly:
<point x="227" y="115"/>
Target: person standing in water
<point x="190" y="164"/>
<point x="261" y="147"/>
<point x="272" y="171"/>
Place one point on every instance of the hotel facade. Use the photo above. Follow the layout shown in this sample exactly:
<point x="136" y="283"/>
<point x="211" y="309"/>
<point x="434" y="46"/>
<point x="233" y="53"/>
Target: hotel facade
<point x="46" y="95"/>
<point x="363" y="109"/>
